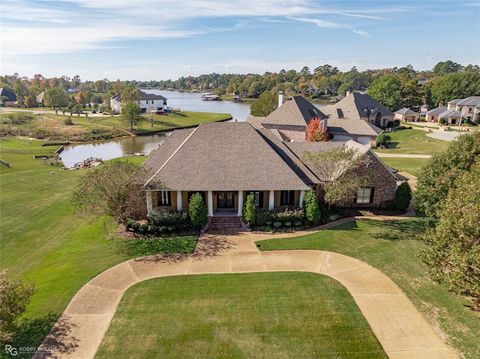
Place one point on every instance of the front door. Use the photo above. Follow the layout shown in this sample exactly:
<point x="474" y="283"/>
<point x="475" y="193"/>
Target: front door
<point x="224" y="199"/>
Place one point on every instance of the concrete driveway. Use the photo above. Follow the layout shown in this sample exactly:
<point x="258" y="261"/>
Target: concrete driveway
<point x="399" y="327"/>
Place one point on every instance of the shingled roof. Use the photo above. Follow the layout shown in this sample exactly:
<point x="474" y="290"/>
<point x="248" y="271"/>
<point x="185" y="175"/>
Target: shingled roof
<point x="143" y="96"/>
<point x="356" y="106"/>
<point x="406" y="111"/>
<point x="296" y="112"/>
<point x="220" y="157"/>
<point x="362" y="128"/>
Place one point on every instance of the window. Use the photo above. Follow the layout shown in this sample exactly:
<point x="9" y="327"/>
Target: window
<point x="287" y="198"/>
<point x="163" y="198"/>
<point x="258" y="198"/>
<point x="364" y="195"/>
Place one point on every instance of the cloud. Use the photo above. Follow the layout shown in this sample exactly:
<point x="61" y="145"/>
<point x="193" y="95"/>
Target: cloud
<point x="329" y="25"/>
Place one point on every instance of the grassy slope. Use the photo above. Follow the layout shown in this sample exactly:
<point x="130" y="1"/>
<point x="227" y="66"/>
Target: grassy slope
<point x="410" y="165"/>
<point x="414" y="142"/>
<point x="256" y="315"/>
<point x="55" y="127"/>
<point x="392" y="248"/>
<point x="44" y="241"/>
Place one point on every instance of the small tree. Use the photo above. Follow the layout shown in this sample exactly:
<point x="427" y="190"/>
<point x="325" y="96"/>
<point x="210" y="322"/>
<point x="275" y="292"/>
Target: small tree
<point x="14" y="297"/>
<point x="56" y="98"/>
<point x="249" y="210"/>
<point x="315" y="132"/>
<point x="265" y="105"/>
<point x="403" y="196"/>
<point x="197" y="211"/>
<point x="132" y="114"/>
<point x="342" y="172"/>
<point x="312" y="209"/>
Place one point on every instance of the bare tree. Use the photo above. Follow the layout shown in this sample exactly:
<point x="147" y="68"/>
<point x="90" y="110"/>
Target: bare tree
<point x="342" y="171"/>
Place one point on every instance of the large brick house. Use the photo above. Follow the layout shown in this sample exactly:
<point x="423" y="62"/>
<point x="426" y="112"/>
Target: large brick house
<point x="224" y="162"/>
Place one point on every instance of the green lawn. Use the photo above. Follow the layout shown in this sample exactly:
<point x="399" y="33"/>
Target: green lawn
<point x="410" y="165"/>
<point x="393" y="248"/>
<point x="414" y="142"/>
<point x="53" y="126"/>
<point x="255" y="315"/>
<point x="43" y="240"/>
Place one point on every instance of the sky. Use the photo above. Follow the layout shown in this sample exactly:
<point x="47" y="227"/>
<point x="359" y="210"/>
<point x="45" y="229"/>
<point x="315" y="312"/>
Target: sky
<point x="163" y="39"/>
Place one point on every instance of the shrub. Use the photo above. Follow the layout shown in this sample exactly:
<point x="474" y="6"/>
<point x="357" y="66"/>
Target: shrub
<point x="442" y="121"/>
<point x="249" y="210"/>
<point x="263" y="217"/>
<point x="177" y="220"/>
<point x="143" y="229"/>
<point x="19" y="118"/>
<point x="403" y="196"/>
<point x="197" y="211"/>
<point x="277" y="224"/>
<point x="68" y="121"/>
<point x="131" y="223"/>
<point x="382" y="140"/>
<point x="135" y="227"/>
<point x="312" y="209"/>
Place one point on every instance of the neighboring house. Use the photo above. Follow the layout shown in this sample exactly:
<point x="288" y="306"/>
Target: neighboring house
<point x="290" y="120"/>
<point x="451" y="117"/>
<point x="407" y="115"/>
<point x="225" y="162"/>
<point x="433" y="114"/>
<point x="7" y="97"/>
<point x="360" y="106"/>
<point x="40" y="98"/>
<point x="148" y="102"/>
<point x="468" y="107"/>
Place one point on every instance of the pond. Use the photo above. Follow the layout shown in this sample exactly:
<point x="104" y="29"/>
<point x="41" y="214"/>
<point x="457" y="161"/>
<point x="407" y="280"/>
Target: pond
<point x="120" y="147"/>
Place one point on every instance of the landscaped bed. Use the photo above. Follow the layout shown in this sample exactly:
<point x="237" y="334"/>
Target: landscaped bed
<point x="257" y="315"/>
<point x="393" y="248"/>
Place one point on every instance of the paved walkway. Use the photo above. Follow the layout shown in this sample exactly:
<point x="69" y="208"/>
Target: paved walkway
<point x="400" y="328"/>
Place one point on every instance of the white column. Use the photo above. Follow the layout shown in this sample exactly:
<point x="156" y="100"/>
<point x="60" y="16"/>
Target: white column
<point x="179" y="201"/>
<point x="271" y="200"/>
<point x="240" y="203"/>
<point x="302" y="196"/>
<point x="210" y="203"/>
<point x="149" y="203"/>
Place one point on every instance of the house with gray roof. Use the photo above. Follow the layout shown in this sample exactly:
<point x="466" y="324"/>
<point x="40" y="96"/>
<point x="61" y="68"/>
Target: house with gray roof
<point x="290" y="120"/>
<point x="148" y="102"/>
<point x="407" y="115"/>
<point x="7" y="97"/>
<point x="358" y="106"/>
<point x="468" y="107"/>
<point x="225" y="162"/>
<point x="433" y="115"/>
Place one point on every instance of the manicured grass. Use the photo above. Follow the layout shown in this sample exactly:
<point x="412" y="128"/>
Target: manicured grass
<point x="414" y="142"/>
<point x="49" y="125"/>
<point x="410" y="165"/>
<point x="43" y="240"/>
<point x="393" y="248"/>
<point x="255" y="315"/>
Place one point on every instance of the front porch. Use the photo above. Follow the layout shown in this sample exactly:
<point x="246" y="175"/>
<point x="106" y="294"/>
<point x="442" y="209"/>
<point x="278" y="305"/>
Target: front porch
<point x="223" y="203"/>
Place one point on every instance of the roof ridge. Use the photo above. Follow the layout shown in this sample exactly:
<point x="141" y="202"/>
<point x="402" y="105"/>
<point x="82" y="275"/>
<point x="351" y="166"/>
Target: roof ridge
<point x="173" y="154"/>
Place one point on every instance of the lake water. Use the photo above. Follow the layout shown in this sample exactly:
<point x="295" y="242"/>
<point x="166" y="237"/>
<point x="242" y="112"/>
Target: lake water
<point x="120" y="147"/>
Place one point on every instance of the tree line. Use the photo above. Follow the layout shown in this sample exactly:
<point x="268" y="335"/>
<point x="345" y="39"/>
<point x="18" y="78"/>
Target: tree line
<point x="393" y="87"/>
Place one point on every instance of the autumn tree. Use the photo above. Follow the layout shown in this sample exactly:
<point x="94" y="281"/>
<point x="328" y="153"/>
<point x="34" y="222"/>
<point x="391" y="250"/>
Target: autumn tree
<point x="316" y="131"/>
<point x="341" y="172"/>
